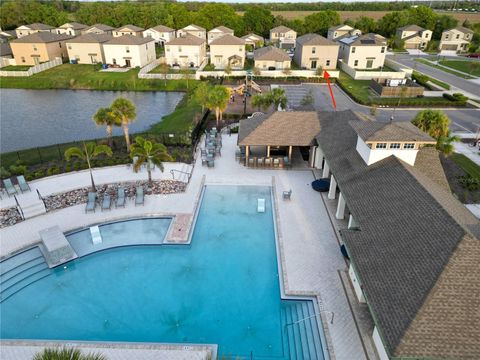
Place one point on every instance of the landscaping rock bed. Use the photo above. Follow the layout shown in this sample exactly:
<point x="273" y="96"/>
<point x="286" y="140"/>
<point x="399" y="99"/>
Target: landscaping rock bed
<point x="11" y="216"/>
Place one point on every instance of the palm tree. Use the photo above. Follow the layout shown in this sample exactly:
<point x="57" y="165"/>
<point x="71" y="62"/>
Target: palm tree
<point x="125" y="113"/>
<point x="218" y="100"/>
<point x="89" y="152"/>
<point x="434" y="122"/>
<point x="258" y="101"/>
<point x="150" y="153"/>
<point x="66" y="354"/>
<point x="201" y="94"/>
<point x="106" y="117"/>
<point x="445" y="143"/>
<point x="277" y="97"/>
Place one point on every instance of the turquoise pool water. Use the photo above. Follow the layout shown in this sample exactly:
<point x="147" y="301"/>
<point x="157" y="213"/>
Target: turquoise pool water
<point x="222" y="289"/>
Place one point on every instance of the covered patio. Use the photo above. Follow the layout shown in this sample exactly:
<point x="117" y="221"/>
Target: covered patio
<point x="278" y="140"/>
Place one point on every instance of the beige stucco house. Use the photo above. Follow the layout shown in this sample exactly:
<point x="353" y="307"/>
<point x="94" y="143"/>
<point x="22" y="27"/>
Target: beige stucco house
<point x="39" y="47"/>
<point x="227" y="50"/>
<point x="271" y="58"/>
<point x="456" y="39"/>
<point x="161" y="34"/>
<point x="98" y="29"/>
<point x="25" y="30"/>
<point x="253" y="40"/>
<point x="338" y="31"/>
<point x="194" y="30"/>
<point x="413" y="37"/>
<point x="283" y="37"/>
<point x="129" y="51"/>
<point x="128" y="30"/>
<point x="314" y="51"/>
<point x="363" y="52"/>
<point x="72" y="28"/>
<point x="217" y="32"/>
<point x="186" y="51"/>
<point x="88" y="48"/>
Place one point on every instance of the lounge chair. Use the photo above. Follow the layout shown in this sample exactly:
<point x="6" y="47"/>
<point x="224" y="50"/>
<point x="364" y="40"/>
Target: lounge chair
<point x="106" y="202"/>
<point x="261" y="205"/>
<point x="23" y="184"/>
<point x="9" y="188"/>
<point x="91" y="202"/>
<point x="287" y="195"/>
<point x="268" y="162"/>
<point x="210" y="162"/>
<point x="260" y="162"/>
<point x="276" y="162"/>
<point x="286" y="162"/>
<point x="120" y="197"/>
<point x="96" y="236"/>
<point x="139" y="198"/>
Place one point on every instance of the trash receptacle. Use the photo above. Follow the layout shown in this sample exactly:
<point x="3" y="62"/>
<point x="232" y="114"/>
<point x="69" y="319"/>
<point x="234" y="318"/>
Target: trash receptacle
<point x="104" y="66"/>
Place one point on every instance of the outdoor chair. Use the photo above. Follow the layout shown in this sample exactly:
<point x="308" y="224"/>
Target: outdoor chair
<point x="238" y="154"/>
<point x="204" y="161"/>
<point x="203" y="152"/>
<point x="276" y="163"/>
<point x="268" y="162"/>
<point x="286" y="162"/>
<point x="95" y="234"/>
<point x="9" y="188"/>
<point x="251" y="162"/>
<point x="22" y="183"/>
<point x="260" y="162"/>
<point x="287" y="195"/>
<point x="120" y="197"/>
<point x="217" y="151"/>
<point x="91" y="202"/>
<point x="106" y="202"/>
<point x="210" y="163"/>
<point x="139" y="197"/>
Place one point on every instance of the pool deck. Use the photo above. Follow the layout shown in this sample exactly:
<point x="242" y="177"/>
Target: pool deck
<point x="310" y="254"/>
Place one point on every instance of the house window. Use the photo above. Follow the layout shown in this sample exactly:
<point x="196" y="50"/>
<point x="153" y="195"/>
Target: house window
<point x="69" y="47"/>
<point x="369" y="63"/>
<point x="446" y="37"/>
<point x="59" y="44"/>
<point x="409" y="146"/>
<point x="23" y="59"/>
<point x="313" y="50"/>
<point x="426" y="35"/>
<point x="34" y="47"/>
<point x="70" y="32"/>
<point x="335" y="34"/>
<point x="395" y="146"/>
<point x="458" y="36"/>
<point x="353" y="50"/>
<point x="146" y="46"/>
<point x="127" y="49"/>
<point x="383" y="50"/>
<point x="240" y="49"/>
<point x="381" y="146"/>
<point x="179" y="49"/>
<point x="355" y="63"/>
<point x="327" y="63"/>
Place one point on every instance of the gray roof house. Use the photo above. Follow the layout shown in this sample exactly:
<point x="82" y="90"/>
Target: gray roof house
<point x="271" y="57"/>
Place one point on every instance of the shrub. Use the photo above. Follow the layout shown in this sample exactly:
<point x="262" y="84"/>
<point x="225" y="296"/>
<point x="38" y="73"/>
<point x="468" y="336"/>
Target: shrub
<point x="4" y="173"/>
<point x="54" y="170"/>
<point x="77" y="166"/>
<point x="29" y="177"/>
<point x="68" y="168"/>
<point x="469" y="182"/>
<point x="209" y="67"/>
<point x="457" y="97"/>
<point x="18" y="169"/>
<point x="39" y="173"/>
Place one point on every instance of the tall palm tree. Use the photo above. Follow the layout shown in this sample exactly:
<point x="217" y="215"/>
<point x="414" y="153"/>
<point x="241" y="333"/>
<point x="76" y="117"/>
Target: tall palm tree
<point x="201" y="94"/>
<point x="277" y="97"/>
<point x="89" y="152"/>
<point x="218" y="101"/>
<point x="125" y="112"/>
<point x="66" y="354"/>
<point x="434" y="122"/>
<point x="106" y="117"/>
<point x="150" y="153"/>
<point x="445" y="143"/>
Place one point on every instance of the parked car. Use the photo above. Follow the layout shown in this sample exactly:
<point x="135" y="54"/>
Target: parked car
<point x="476" y="55"/>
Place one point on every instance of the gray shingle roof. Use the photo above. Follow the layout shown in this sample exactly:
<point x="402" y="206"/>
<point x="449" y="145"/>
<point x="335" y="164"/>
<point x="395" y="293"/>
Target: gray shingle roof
<point x="188" y="39"/>
<point x="129" y="40"/>
<point x="228" y="40"/>
<point x="73" y="25"/>
<point x="386" y="131"/>
<point x="91" y="38"/>
<point x="411" y="28"/>
<point x="410" y="228"/>
<point x="280" y="29"/>
<point x="102" y="27"/>
<point x="270" y="53"/>
<point x="5" y="49"/>
<point x="333" y="28"/>
<point x="195" y="28"/>
<point x="223" y="29"/>
<point x="130" y="27"/>
<point x="162" y="28"/>
<point x="463" y="29"/>
<point x="43" y="37"/>
<point x="313" y="39"/>
<point x="39" y="26"/>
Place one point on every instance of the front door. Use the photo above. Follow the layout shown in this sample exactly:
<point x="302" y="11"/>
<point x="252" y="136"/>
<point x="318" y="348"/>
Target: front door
<point x="314" y="64"/>
<point x="127" y="63"/>
<point x="36" y="60"/>
<point x="369" y="63"/>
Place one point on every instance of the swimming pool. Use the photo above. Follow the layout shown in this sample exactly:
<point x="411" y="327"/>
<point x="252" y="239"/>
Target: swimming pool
<point x="222" y="289"/>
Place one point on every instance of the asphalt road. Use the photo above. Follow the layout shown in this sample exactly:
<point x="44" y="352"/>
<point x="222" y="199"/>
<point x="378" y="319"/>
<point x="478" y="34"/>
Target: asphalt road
<point x="463" y="84"/>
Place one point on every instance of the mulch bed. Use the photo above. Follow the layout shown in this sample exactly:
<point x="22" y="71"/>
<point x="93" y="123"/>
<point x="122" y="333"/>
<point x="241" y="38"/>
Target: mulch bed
<point x="453" y="172"/>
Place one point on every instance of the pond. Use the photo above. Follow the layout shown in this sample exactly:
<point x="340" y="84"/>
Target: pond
<point x="32" y="118"/>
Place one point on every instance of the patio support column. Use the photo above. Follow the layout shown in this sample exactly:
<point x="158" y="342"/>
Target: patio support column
<point x="333" y="188"/>
<point x="340" y="214"/>
<point x="352" y="224"/>
<point x="326" y="170"/>
<point x="247" y="153"/>
<point x="290" y="153"/>
<point x="268" y="151"/>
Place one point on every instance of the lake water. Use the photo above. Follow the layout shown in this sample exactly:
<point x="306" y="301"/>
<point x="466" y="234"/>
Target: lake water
<point x="31" y="118"/>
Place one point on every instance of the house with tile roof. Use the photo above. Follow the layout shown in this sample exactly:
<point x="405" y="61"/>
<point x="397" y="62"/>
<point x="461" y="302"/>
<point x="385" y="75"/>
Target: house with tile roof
<point x="413" y="37"/>
<point x="363" y="51"/>
<point x="129" y="51"/>
<point x="283" y="37"/>
<point x="457" y="39"/>
<point x="160" y="33"/>
<point x="98" y="29"/>
<point x="271" y="58"/>
<point x="218" y="32"/>
<point x="186" y="51"/>
<point x="71" y="28"/>
<point x="314" y="51"/>
<point x="194" y="30"/>
<point x="253" y="40"/>
<point x="227" y="50"/>
<point x="88" y="48"/>
<point x="128" y="30"/>
<point x="339" y="31"/>
<point x="39" y="47"/>
<point x="24" y="30"/>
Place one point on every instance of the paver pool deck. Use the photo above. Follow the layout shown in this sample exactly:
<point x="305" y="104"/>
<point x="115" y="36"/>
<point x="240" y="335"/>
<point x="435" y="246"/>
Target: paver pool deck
<point x="309" y="250"/>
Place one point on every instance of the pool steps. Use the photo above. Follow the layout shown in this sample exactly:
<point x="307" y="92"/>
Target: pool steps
<point x="20" y="271"/>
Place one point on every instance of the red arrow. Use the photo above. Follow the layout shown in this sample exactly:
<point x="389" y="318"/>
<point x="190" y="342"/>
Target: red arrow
<point x="326" y="75"/>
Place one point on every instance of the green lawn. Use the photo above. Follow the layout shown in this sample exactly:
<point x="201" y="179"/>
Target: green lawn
<point x="450" y="71"/>
<point x="358" y="89"/>
<point x="16" y="68"/>
<point x="466" y="164"/>
<point x="68" y="76"/>
<point x="462" y="65"/>
<point x="157" y="70"/>
<point x="181" y="119"/>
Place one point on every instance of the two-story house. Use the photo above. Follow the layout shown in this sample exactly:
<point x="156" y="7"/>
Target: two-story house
<point x="161" y="34"/>
<point x="88" y="48"/>
<point x="194" y="30"/>
<point x="253" y="40"/>
<point x="186" y="51"/>
<point x="271" y="58"/>
<point x="98" y="29"/>
<point x="128" y="30"/>
<point x="413" y="37"/>
<point x="25" y="30"/>
<point x="457" y="39"/>
<point x="218" y="32"/>
<point x="363" y="52"/>
<point x="129" y="51"/>
<point x="227" y="50"/>
<point x="39" y="47"/>
<point x="72" y="28"/>
<point x="339" y="31"/>
<point x="314" y="51"/>
<point x="283" y="37"/>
